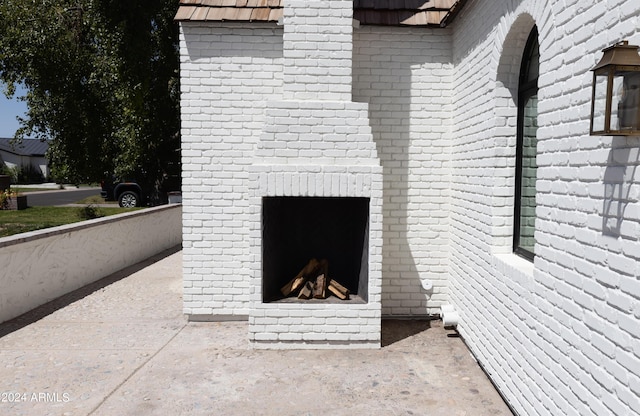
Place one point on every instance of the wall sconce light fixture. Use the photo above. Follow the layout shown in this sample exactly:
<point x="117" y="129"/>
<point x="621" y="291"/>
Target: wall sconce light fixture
<point x="615" y="105"/>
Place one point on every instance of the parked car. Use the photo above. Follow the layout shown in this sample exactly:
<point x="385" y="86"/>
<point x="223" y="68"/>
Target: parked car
<point x="129" y="194"/>
<point x="133" y="193"/>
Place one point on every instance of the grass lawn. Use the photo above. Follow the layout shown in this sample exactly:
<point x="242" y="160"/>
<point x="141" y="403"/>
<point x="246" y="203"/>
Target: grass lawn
<point x="37" y="218"/>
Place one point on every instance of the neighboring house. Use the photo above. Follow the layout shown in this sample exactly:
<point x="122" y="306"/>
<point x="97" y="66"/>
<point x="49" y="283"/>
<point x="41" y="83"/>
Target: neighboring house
<point x="30" y="154"/>
<point x="436" y="152"/>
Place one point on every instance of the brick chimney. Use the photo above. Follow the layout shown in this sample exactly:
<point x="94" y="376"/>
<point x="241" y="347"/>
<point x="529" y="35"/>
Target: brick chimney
<point x="318" y="50"/>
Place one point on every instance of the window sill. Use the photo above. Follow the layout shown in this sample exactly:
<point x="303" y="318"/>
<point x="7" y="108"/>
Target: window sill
<point x="514" y="262"/>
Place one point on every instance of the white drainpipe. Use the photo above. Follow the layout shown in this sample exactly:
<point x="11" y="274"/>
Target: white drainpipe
<point x="449" y="316"/>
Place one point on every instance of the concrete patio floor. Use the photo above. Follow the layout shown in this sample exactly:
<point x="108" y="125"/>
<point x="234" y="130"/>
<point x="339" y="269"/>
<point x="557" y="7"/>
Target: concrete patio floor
<point x="123" y="347"/>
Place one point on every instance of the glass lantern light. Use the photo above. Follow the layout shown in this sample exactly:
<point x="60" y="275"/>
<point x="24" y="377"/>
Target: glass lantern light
<point x="615" y="105"/>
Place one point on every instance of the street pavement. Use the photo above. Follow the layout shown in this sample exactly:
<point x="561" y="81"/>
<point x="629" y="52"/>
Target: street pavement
<point x="56" y="197"/>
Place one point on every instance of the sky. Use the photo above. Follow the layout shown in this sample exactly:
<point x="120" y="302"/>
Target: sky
<point x="9" y="110"/>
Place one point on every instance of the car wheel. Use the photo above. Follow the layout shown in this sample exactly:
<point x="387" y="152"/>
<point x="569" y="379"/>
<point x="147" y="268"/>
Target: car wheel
<point x="128" y="199"/>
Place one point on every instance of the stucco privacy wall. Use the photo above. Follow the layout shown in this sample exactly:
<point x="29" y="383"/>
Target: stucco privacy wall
<point x="405" y="75"/>
<point x="228" y="74"/>
<point x="40" y="266"/>
<point x="561" y="335"/>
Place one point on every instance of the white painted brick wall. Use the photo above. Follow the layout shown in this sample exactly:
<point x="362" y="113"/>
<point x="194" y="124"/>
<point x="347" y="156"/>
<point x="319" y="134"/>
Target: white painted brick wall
<point x="402" y="73"/>
<point x="406" y="77"/>
<point x="317" y="49"/>
<point x="560" y="337"/>
<point x="316" y="132"/>
<point x="228" y="74"/>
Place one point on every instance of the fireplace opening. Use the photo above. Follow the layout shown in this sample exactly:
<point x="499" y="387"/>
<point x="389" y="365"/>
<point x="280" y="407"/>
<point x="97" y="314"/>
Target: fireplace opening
<point x="296" y="230"/>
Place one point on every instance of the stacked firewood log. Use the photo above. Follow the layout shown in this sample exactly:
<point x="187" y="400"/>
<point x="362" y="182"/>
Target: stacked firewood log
<point x="313" y="281"/>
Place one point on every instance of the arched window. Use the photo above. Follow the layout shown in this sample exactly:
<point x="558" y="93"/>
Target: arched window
<point x="525" y="198"/>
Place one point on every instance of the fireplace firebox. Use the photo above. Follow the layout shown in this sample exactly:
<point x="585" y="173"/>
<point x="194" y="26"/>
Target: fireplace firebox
<point x="297" y="229"/>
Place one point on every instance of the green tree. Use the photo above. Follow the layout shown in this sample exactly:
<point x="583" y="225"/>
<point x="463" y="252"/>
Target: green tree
<point x="102" y="81"/>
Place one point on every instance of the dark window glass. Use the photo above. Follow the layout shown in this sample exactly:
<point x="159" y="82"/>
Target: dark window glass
<point x="525" y="203"/>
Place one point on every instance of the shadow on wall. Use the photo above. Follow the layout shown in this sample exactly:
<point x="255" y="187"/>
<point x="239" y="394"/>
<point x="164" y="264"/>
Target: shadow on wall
<point x="620" y="184"/>
<point x="228" y="36"/>
<point x="405" y="91"/>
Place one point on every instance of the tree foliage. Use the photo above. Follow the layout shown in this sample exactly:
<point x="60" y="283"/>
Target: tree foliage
<point x="102" y="81"/>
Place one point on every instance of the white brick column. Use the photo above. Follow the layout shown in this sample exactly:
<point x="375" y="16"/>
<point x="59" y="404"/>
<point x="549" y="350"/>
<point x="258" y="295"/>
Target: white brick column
<point x="318" y="50"/>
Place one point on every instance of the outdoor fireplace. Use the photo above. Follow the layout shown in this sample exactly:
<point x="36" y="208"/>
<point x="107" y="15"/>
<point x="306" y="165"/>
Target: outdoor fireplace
<point x="303" y="211"/>
<point x="316" y="193"/>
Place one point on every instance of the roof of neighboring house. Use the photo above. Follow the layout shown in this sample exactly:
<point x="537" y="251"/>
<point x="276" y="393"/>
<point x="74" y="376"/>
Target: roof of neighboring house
<point x="28" y="147"/>
<point x="434" y="13"/>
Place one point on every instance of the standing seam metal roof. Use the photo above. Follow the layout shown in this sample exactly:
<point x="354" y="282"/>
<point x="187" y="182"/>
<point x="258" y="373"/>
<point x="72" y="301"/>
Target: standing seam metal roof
<point x="28" y="147"/>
